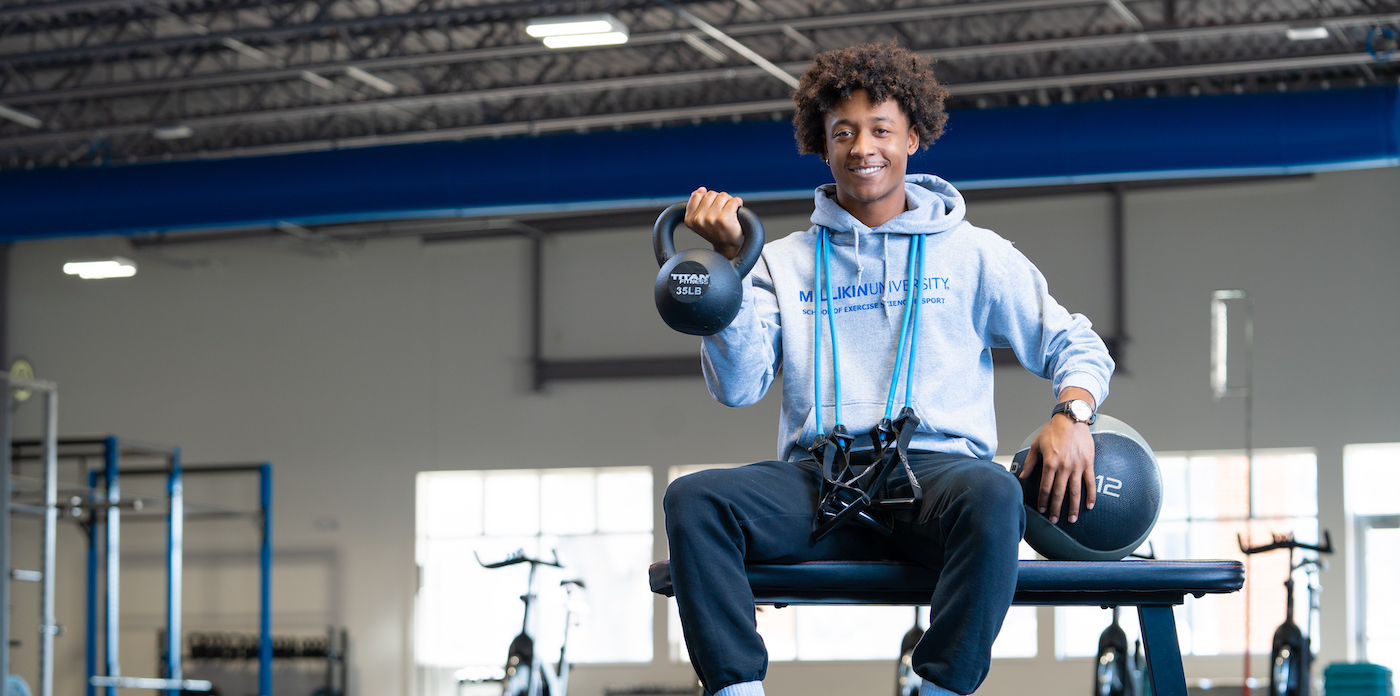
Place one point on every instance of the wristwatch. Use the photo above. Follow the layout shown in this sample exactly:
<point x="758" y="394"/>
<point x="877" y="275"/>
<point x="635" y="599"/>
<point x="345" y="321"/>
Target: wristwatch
<point x="1077" y="409"/>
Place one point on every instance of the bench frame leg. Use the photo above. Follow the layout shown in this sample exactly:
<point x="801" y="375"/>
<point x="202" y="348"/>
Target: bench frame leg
<point x="1159" y="641"/>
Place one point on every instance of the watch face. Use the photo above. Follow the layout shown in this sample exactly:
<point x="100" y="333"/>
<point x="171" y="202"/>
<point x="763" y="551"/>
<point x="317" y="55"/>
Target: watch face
<point x="1080" y="411"/>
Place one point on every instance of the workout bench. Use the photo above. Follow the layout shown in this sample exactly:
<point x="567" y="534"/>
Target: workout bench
<point x="1154" y="587"/>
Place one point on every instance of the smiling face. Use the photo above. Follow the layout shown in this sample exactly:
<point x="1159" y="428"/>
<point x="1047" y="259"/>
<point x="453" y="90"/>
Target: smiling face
<point x="868" y="148"/>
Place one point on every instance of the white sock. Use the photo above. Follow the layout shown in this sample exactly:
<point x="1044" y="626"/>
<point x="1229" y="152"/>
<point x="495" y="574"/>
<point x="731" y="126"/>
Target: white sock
<point x="928" y="688"/>
<point x="749" y="688"/>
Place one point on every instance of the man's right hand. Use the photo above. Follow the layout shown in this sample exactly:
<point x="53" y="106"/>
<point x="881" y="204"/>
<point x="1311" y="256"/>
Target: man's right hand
<point x="714" y="216"/>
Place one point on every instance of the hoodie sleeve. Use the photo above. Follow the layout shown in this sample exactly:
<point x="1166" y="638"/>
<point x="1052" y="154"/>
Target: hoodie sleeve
<point x="741" y="361"/>
<point x="1048" y="340"/>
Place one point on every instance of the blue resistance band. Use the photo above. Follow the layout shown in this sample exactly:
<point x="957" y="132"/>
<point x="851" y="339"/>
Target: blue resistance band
<point x="908" y="330"/>
<point x="918" y="278"/>
<point x="831" y="321"/>
<point x="817" y="330"/>
<point x="905" y="335"/>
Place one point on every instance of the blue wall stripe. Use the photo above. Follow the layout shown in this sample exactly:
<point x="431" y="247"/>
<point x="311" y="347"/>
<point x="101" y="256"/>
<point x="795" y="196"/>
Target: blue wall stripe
<point x="1129" y="139"/>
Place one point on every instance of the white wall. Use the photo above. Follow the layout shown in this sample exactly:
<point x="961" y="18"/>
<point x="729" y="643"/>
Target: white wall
<point x="353" y="373"/>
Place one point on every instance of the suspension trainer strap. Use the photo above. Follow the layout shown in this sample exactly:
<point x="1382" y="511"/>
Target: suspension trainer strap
<point x="831" y="451"/>
<point x="901" y="432"/>
<point x="848" y="492"/>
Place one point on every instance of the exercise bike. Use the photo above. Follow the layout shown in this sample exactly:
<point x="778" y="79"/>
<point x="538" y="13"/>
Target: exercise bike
<point x="1116" y="672"/>
<point x="1290" y="659"/>
<point x="526" y="674"/>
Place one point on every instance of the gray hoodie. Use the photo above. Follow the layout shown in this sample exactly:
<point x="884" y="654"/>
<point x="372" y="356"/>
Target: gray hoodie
<point x="979" y="292"/>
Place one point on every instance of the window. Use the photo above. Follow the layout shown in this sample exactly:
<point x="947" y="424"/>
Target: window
<point x="598" y="521"/>
<point x="852" y="632"/>
<point x="1206" y="504"/>
<point x="1372" y="477"/>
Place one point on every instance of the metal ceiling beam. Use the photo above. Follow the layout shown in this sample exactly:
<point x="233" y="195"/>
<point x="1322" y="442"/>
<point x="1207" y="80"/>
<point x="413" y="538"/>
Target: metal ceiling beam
<point x="486" y="13"/>
<point x="954" y="53"/>
<point x="766" y="106"/>
<point x="329" y="28"/>
<point x="691" y="77"/>
<point x="288" y="114"/>
<point x="1168" y="73"/>
<point x="68" y="7"/>
<point x="737" y="47"/>
<point x="1154" y="36"/>
<point x="476" y="14"/>
<point x="556" y="125"/>
<point x="978" y="88"/>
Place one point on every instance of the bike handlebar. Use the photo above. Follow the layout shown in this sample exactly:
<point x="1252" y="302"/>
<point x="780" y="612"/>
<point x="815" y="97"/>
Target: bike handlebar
<point x="516" y="558"/>
<point x="1286" y="541"/>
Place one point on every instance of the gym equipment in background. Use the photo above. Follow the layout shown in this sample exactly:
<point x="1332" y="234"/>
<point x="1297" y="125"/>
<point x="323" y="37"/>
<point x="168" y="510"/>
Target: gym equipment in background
<point x="1357" y="679"/>
<point x="223" y="659"/>
<point x="1113" y="673"/>
<point x="1129" y="499"/>
<point x="100" y="508"/>
<point x="16" y="387"/>
<point x="525" y="674"/>
<point x="907" y="681"/>
<point x="1291" y="657"/>
<point x="698" y="291"/>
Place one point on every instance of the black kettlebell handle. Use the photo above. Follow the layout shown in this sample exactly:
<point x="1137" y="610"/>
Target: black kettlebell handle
<point x="663" y="237"/>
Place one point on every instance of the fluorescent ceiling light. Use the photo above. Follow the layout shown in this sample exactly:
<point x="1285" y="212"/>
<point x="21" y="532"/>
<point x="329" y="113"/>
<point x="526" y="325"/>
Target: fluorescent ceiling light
<point x="115" y="267"/>
<point x="580" y="26"/>
<point x="541" y="27"/>
<point x="20" y="117"/>
<point x="578" y="30"/>
<point x="372" y="80"/>
<point x="1306" y="33"/>
<point x="176" y="132"/>
<point x="611" y="38"/>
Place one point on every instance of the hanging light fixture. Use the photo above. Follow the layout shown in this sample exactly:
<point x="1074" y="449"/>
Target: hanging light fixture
<point x="1306" y="33"/>
<point x="115" y="267"/>
<point x="578" y="30"/>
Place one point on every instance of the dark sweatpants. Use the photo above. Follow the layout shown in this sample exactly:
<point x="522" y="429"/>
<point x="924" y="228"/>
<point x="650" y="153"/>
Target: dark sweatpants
<point x="968" y="530"/>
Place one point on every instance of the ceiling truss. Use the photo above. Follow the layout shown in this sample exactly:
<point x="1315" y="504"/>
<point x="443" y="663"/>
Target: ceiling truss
<point x="90" y="82"/>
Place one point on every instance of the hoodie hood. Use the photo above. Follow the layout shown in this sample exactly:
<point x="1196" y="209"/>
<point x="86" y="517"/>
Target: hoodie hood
<point x="934" y="206"/>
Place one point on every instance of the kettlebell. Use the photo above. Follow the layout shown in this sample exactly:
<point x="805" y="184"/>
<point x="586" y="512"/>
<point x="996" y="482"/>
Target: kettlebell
<point x="699" y="291"/>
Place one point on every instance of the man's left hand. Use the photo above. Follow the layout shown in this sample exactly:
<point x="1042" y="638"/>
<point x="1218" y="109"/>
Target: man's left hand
<point x="1065" y="450"/>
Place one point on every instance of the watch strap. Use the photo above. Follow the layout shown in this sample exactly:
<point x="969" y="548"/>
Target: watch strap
<point x="1066" y="407"/>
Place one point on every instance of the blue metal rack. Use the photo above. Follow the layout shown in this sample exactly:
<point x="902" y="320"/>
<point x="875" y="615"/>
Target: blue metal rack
<point x="108" y="558"/>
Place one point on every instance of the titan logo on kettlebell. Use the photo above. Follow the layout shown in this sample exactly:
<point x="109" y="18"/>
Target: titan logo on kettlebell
<point x="688" y="282"/>
<point x="698" y="291"/>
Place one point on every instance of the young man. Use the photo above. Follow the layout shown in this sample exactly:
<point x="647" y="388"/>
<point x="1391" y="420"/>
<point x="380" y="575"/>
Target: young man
<point x="865" y="110"/>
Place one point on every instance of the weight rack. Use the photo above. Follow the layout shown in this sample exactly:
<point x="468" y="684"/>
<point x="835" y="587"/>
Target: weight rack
<point x="102" y="502"/>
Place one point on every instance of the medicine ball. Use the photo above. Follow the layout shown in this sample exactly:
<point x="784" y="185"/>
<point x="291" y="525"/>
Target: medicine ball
<point x="1129" y="499"/>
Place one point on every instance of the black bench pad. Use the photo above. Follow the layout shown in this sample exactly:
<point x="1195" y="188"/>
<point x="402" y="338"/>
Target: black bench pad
<point x="1151" y="586"/>
<point x="1128" y="582"/>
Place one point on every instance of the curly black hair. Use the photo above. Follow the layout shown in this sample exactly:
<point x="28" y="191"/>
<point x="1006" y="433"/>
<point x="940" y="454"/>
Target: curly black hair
<point x="884" y="71"/>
